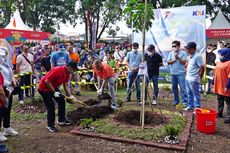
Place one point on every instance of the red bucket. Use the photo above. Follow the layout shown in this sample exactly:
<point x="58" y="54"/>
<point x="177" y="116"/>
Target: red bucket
<point x="206" y="120"/>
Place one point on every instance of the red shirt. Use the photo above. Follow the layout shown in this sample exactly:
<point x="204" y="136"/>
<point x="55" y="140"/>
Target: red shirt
<point x="1" y="86"/>
<point x="105" y="72"/>
<point x="57" y="76"/>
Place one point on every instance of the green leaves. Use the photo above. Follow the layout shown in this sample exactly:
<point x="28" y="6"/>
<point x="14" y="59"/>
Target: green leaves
<point x="134" y="14"/>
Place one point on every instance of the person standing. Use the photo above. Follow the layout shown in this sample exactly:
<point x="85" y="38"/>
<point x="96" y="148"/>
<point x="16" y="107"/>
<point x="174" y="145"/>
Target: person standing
<point x="48" y="89"/>
<point x="154" y="61"/>
<point x="25" y="65"/>
<point x="133" y="60"/>
<point x="105" y="74"/>
<point x="194" y="74"/>
<point x="45" y="62"/>
<point x="7" y="87"/>
<point x="210" y="60"/>
<point x="74" y="57"/>
<point x="176" y="60"/>
<point x="222" y="83"/>
<point x="60" y="58"/>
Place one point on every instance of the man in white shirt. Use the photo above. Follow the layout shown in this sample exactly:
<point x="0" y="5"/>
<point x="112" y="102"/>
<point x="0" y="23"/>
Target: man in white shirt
<point x="118" y="55"/>
<point x="24" y="64"/>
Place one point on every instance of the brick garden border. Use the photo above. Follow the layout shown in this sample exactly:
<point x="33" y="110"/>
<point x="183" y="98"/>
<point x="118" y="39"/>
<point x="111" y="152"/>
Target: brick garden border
<point x="181" y="146"/>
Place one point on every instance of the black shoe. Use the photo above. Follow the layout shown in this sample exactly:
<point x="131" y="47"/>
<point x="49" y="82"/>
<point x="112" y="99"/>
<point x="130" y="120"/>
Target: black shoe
<point x="78" y="94"/>
<point x="227" y="121"/>
<point x="52" y="129"/>
<point x="64" y="123"/>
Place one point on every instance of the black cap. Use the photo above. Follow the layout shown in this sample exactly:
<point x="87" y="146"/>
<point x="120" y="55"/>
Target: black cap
<point x="151" y="47"/>
<point x="190" y="45"/>
<point x="72" y="64"/>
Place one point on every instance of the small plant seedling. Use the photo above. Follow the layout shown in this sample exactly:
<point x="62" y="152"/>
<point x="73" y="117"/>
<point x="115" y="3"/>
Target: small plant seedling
<point x="171" y="131"/>
<point x="86" y="122"/>
<point x="180" y="107"/>
<point x="119" y="102"/>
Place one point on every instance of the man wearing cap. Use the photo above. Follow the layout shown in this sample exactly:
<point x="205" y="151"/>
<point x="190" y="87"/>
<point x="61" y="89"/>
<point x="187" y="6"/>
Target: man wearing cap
<point x="60" y="58"/>
<point x="154" y="61"/>
<point x="194" y="74"/>
<point x="222" y="83"/>
<point x="48" y="89"/>
<point x="133" y="60"/>
<point x="176" y="61"/>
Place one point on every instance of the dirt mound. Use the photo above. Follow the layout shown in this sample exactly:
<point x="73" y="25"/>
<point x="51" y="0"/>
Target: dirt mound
<point x="132" y="117"/>
<point x="91" y="102"/>
<point x="93" y="112"/>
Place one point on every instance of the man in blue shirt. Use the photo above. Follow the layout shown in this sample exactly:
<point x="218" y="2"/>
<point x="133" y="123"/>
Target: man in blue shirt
<point x="133" y="59"/>
<point x="176" y="60"/>
<point x="195" y="71"/>
<point x="154" y="61"/>
<point x="60" y="58"/>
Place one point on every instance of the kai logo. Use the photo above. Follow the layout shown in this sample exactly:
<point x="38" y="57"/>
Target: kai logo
<point x="198" y="13"/>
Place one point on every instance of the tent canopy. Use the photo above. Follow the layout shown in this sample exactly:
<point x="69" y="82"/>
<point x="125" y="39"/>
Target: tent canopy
<point x="220" y="27"/>
<point x="16" y="23"/>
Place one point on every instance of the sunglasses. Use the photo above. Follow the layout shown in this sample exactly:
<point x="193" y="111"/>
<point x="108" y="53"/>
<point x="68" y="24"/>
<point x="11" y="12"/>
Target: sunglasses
<point x="174" y="46"/>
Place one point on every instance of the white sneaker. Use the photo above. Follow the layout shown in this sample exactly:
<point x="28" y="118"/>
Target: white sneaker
<point x="2" y="137"/>
<point x="10" y="132"/>
<point x="21" y="102"/>
<point x="154" y="102"/>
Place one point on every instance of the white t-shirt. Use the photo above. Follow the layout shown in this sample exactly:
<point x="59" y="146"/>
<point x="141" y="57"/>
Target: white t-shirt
<point x="24" y="66"/>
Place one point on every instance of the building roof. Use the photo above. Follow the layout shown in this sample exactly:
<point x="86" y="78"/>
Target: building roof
<point x="220" y="22"/>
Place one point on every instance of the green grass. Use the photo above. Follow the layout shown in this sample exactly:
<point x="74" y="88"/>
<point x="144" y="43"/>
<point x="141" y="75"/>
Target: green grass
<point x="106" y="126"/>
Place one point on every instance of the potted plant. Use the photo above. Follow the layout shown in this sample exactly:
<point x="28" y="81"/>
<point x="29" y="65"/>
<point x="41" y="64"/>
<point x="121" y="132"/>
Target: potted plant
<point x="172" y="134"/>
<point x="179" y="108"/>
<point x="85" y="123"/>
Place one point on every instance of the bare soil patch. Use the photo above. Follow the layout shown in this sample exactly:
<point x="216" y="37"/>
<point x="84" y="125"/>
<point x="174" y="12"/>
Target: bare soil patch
<point x="33" y="108"/>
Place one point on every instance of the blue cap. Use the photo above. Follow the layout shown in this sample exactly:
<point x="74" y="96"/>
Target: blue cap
<point x="61" y="46"/>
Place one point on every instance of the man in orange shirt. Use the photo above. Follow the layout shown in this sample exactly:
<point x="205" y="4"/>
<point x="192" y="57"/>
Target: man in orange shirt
<point x="222" y="83"/>
<point x="104" y="73"/>
<point x="74" y="57"/>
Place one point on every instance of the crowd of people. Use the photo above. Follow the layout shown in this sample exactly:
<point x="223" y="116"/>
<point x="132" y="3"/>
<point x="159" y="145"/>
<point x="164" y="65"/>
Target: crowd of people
<point x="62" y="64"/>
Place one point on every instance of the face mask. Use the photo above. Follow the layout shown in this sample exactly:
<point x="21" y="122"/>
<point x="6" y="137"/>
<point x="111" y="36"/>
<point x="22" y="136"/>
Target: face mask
<point x="174" y="49"/>
<point x="149" y="53"/>
<point x="135" y="50"/>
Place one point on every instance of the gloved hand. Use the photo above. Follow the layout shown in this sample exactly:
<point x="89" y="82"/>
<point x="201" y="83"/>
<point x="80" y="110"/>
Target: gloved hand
<point x="99" y="91"/>
<point x="73" y="98"/>
<point x="57" y="94"/>
<point x="92" y="79"/>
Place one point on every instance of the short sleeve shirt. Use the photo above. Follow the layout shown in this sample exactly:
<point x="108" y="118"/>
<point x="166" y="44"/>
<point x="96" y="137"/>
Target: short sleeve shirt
<point x="106" y="71"/>
<point x="134" y="59"/>
<point x="195" y="63"/>
<point x="60" y="58"/>
<point x="177" y="68"/>
<point x="24" y="66"/>
<point x="1" y="81"/>
<point x="222" y="74"/>
<point x="74" y="57"/>
<point x="57" y="76"/>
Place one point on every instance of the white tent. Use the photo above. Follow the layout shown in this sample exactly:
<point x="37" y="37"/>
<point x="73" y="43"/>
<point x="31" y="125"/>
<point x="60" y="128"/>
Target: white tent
<point x="16" y="23"/>
<point x="220" y="22"/>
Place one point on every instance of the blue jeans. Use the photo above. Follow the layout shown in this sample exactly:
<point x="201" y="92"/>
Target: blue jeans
<point x="111" y="83"/>
<point x="131" y="77"/>
<point x="155" y="86"/>
<point x="179" y="80"/>
<point x="194" y="98"/>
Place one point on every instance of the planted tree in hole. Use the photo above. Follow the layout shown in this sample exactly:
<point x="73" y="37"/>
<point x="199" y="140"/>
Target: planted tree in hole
<point x="171" y="131"/>
<point x="86" y="122"/>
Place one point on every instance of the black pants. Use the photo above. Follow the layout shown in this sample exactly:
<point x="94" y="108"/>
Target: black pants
<point x="5" y="112"/>
<point x="49" y="101"/>
<point x="24" y="81"/>
<point x="221" y="100"/>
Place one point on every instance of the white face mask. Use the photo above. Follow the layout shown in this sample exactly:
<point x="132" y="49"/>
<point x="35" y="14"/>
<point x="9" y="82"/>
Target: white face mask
<point x="174" y="49"/>
<point x="135" y="50"/>
<point x="149" y="53"/>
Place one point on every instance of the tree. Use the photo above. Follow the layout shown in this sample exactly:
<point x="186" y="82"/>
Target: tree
<point x="6" y="8"/>
<point x="101" y="13"/>
<point x="134" y="14"/>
